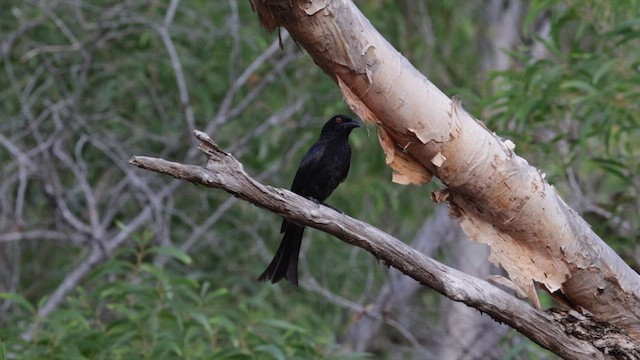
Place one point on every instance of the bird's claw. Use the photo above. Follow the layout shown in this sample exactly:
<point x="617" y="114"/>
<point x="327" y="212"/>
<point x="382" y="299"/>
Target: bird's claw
<point x="314" y="200"/>
<point x="327" y="205"/>
<point x="331" y="207"/>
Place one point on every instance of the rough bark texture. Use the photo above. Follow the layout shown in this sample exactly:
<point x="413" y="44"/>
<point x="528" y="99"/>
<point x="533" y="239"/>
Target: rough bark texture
<point x="225" y="172"/>
<point x="499" y="198"/>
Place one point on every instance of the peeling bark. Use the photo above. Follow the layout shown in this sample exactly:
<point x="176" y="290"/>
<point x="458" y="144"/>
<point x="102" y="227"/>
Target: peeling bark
<point x="225" y="172"/>
<point x="499" y="198"/>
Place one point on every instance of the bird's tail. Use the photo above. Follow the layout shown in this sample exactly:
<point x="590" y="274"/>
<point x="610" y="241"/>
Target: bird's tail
<point x="285" y="262"/>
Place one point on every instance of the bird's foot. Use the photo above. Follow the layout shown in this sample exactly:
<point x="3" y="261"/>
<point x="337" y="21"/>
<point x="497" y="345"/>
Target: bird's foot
<point x="327" y="205"/>
<point x="314" y="200"/>
<point x="331" y="207"/>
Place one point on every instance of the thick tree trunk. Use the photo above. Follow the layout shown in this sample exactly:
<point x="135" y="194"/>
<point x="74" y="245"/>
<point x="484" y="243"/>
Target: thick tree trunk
<point x="554" y="331"/>
<point x="499" y="198"/>
<point x="226" y="172"/>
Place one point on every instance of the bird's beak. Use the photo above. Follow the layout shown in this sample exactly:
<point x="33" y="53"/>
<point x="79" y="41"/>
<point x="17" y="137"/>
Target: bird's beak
<point x="352" y="124"/>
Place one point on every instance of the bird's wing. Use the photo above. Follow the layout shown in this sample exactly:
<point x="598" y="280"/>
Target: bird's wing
<point x="345" y="171"/>
<point x="307" y="167"/>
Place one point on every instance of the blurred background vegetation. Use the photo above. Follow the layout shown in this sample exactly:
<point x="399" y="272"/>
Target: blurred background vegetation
<point x="100" y="260"/>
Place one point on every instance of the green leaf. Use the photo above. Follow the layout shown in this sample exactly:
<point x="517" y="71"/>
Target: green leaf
<point x="284" y="325"/>
<point x="579" y="85"/>
<point x="230" y="354"/>
<point x="19" y="300"/>
<point x="271" y="350"/>
<point x="201" y="319"/>
<point x="173" y="252"/>
<point x="224" y="322"/>
<point x="603" y="70"/>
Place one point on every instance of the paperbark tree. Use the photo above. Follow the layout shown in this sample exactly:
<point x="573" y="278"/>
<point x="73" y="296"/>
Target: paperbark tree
<point x="569" y="334"/>
<point x="499" y="199"/>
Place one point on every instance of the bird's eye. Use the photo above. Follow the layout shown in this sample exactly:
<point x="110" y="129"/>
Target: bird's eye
<point x="339" y="120"/>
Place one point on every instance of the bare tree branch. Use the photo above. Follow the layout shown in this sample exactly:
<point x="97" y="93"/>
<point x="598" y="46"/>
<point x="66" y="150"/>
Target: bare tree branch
<point x="502" y="200"/>
<point x="225" y="172"/>
<point x="51" y="138"/>
<point x="163" y="30"/>
<point x="398" y="290"/>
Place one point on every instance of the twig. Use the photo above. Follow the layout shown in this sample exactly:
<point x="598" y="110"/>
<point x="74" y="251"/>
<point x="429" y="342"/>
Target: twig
<point x="176" y="64"/>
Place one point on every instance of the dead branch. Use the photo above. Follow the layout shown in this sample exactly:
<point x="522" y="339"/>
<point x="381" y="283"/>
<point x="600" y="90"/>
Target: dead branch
<point x="224" y="172"/>
<point x="501" y="200"/>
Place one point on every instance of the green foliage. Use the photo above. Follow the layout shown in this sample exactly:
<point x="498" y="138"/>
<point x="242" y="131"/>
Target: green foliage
<point x="571" y="112"/>
<point x="132" y="309"/>
<point x="579" y="104"/>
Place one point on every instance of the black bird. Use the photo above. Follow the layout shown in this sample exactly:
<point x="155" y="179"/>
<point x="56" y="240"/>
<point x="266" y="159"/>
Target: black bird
<point x="321" y="170"/>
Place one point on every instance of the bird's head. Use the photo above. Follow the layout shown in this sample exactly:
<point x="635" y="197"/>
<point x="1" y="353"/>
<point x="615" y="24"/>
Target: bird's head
<point x="339" y="124"/>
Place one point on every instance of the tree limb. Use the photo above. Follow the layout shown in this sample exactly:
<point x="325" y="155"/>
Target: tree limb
<point x="223" y="171"/>
<point x="500" y="199"/>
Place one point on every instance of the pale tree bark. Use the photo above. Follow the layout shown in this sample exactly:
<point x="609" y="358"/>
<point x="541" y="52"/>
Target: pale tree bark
<point x="464" y="332"/>
<point x="499" y="199"/>
<point x="554" y="331"/>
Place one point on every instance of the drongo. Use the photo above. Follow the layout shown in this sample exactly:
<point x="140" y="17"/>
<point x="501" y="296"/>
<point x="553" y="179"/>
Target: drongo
<point x="321" y="170"/>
